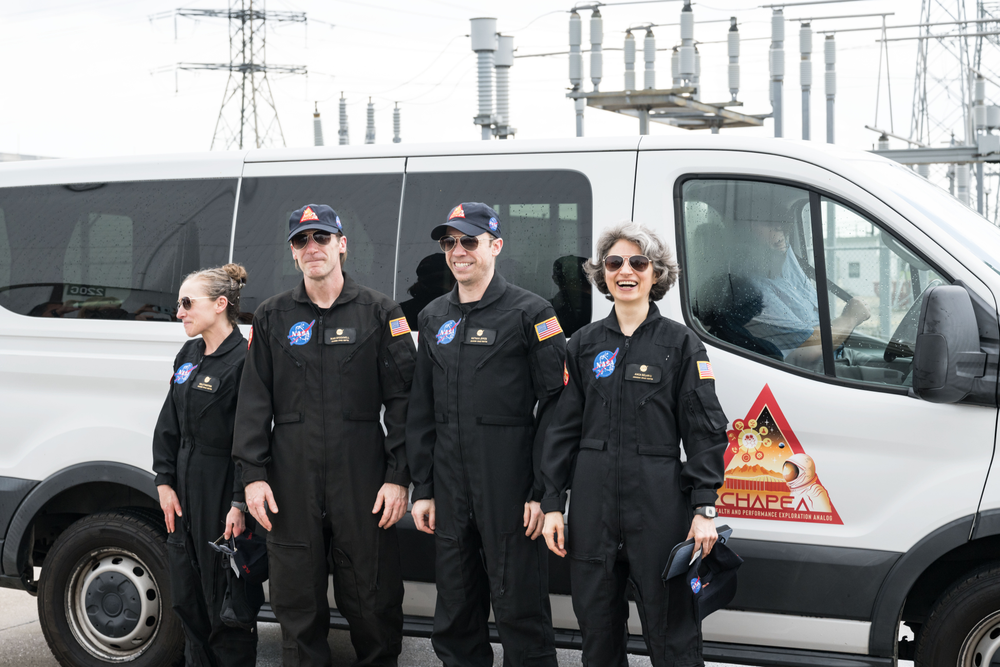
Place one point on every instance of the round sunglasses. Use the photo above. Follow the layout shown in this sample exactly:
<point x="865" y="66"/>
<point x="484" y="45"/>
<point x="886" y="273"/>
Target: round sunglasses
<point x="448" y="243"/>
<point x="615" y="262"/>
<point x="299" y="241"/>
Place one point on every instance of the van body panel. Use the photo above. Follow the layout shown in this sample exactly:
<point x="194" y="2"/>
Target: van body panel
<point x="320" y="167"/>
<point x="220" y="164"/>
<point x="786" y="631"/>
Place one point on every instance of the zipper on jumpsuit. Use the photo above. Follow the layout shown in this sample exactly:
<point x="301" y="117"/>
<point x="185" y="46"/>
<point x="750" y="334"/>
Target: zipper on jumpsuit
<point x="460" y="335"/>
<point x="321" y="335"/>
<point x="187" y="439"/>
<point x="618" y="452"/>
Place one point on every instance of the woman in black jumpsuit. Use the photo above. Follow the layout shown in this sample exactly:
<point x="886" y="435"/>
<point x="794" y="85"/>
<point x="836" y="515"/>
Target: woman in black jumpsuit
<point x="636" y="385"/>
<point x="192" y="459"/>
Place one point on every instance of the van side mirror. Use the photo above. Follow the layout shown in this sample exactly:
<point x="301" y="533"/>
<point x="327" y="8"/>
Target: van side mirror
<point x="946" y="357"/>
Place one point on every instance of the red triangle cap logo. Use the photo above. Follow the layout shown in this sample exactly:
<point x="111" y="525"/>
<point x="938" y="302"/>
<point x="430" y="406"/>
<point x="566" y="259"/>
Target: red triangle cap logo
<point x="457" y="212"/>
<point x="308" y="215"/>
<point x="768" y="473"/>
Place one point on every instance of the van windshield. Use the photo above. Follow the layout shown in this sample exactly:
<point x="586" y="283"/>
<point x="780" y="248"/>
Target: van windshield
<point x="976" y="233"/>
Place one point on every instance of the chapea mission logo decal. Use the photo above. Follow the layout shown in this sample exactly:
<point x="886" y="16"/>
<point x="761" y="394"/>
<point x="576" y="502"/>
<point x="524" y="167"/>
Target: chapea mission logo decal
<point x="768" y="473"/>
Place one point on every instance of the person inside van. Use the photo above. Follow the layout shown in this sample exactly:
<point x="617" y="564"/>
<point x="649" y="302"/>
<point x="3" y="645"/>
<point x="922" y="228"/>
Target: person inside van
<point x="637" y="384"/>
<point x="199" y="491"/>
<point x="572" y="301"/>
<point x="790" y="315"/>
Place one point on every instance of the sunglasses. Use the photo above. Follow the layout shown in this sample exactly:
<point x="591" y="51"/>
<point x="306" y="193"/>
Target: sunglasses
<point x="299" y="241"/>
<point x="222" y="547"/>
<point x="638" y="262"/>
<point x="448" y="243"/>
<point x="185" y="301"/>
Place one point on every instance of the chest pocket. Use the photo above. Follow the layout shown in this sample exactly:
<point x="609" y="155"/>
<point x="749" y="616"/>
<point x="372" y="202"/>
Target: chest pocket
<point x="360" y="385"/>
<point x="505" y="344"/>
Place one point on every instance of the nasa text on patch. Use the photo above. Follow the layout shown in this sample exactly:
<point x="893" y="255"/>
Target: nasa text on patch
<point x="339" y="335"/>
<point x="206" y="383"/>
<point x="481" y="336"/>
<point x="642" y="373"/>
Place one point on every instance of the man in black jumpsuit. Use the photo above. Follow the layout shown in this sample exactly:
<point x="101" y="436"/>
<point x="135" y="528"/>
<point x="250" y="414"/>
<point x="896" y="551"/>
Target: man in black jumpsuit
<point x="627" y="405"/>
<point x="489" y="351"/>
<point x="192" y="454"/>
<point x="323" y="360"/>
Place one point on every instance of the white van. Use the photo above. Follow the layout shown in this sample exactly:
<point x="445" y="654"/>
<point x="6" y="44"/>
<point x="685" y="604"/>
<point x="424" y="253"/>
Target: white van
<point x="891" y="514"/>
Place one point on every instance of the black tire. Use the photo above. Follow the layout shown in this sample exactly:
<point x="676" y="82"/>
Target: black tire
<point x="104" y="593"/>
<point x="963" y="629"/>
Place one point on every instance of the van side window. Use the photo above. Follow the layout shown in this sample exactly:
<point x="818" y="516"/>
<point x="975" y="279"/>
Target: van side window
<point x="748" y="252"/>
<point x="866" y="263"/>
<point x="368" y="206"/>
<point x="546" y="219"/>
<point x="114" y="251"/>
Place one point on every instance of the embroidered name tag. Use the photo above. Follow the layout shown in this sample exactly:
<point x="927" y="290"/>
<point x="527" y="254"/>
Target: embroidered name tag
<point x="481" y="336"/>
<point x="340" y="336"/>
<point x="642" y="373"/>
<point x="206" y="383"/>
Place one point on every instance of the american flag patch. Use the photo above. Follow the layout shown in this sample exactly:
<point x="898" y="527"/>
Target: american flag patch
<point x="398" y="327"/>
<point x="548" y="328"/>
<point x="705" y="370"/>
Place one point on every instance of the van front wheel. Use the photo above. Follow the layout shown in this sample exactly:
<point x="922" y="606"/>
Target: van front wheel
<point x="103" y="595"/>
<point x="963" y="629"/>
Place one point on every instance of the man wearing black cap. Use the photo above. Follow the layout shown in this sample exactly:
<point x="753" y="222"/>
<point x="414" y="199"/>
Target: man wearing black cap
<point x="489" y="353"/>
<point x="324" y="359"/>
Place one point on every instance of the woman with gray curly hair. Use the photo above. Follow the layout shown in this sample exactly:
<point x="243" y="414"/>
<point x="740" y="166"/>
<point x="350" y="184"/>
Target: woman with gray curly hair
<point x="636" y="385"/>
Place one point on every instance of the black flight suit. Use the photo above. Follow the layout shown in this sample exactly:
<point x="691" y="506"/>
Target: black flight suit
<point x="323" y="376"/>
<point x="192" y="452"/>
<point x="474" y="446"/>
<point x="622" y="422"/>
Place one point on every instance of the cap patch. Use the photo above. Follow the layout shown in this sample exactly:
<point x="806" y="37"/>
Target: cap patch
<point x="337" y="222"/>
<point x="696" y="585"/>
<point x="705" y="370"/>
<point x="457" y="212"/>
<point x="494" y="223"/>
<point x="547" y="329"/>
<point x="309" y="214"/>
<point x="399" y="326"/>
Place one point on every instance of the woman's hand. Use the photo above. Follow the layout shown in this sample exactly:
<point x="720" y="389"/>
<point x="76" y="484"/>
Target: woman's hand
<point x="235" y="522"/>
<point x="170" y="505"/>
<point x="554" y="532"/>
<point x="703" y="532"/>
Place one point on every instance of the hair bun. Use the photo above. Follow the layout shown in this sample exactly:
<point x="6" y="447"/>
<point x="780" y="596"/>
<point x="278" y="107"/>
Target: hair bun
<point x="237" y="273"/>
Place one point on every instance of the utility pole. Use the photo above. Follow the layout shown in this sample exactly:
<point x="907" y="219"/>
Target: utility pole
<point x="248" y="117"/>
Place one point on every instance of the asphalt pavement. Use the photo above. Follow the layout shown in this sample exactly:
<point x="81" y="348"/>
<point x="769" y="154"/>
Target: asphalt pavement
<point x="23" y="645"/>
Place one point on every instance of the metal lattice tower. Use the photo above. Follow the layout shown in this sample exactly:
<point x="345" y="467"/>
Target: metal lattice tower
<point x="941" y="84"/>
<point x="248" y="116"/>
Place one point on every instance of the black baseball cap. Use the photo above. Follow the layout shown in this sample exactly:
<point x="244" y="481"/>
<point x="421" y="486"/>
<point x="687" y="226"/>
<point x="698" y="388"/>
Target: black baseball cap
<point x="314" y="216"/>
<point x="472" y="218"/>
<point x="713" y="579"/>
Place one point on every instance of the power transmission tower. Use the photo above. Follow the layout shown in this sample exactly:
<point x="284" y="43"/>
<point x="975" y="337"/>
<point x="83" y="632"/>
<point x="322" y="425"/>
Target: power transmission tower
<point x="248" y="116"/>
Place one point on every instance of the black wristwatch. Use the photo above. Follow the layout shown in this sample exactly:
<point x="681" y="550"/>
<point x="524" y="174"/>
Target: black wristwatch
<point x="707" y="511"/>
<point x="240" y="506"/>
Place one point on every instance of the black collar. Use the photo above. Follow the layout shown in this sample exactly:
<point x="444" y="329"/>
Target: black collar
<point x="495" y="290"/>
<point x="232" y="340"/>
<point x="611" y="321"/>
<point x="348" y="292"/>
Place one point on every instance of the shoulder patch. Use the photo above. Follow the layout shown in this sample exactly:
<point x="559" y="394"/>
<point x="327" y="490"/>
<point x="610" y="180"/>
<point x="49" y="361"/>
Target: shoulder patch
<point x="548" y="328"/>
<point x="250" y="339"/>
<point x="565" y="374"/>
<point x="399" y="326"/>
<point x="705" y="370"/>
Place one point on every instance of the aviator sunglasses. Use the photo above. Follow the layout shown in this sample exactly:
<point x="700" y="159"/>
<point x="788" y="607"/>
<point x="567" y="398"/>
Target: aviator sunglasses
<point x="448" y="243"/>
<point x="638" y="262"/>
<point x="299" y="241"/>
<point x="185" y="301"/>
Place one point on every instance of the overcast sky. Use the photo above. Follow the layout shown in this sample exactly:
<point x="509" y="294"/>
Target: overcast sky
<point x="97" y="77"/>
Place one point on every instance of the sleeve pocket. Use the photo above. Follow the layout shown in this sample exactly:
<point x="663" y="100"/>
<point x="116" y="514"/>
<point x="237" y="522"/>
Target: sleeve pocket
<point x="590" y="443"/>
<point x="707" y="409"/>
<point x="289" y="418"/>
<point x="547" y="369"/>
<point x="402" y="355"/>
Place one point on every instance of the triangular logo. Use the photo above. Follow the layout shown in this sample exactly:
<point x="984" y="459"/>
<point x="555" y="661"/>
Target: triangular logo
<point x="457" y="212"/>
<point x="308" y="215"/>
<point x="768" y="473"/>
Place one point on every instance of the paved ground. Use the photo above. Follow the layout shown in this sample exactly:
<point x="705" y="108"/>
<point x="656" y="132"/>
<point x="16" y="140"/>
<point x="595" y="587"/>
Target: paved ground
<point x="23" y="645"/>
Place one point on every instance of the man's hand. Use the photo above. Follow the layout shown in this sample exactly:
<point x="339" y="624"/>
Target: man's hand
<point x="259" y="500"/>
<point x="235" y="522"/>
<point x="170" y="505"/>
<point x="533" y="519"/>
<point x="394" y="497"/>
<point x="703" y="532"/>
<point x="423" y="515"/>
<point x="554" y="531"/>
<point x="857" y="311"/>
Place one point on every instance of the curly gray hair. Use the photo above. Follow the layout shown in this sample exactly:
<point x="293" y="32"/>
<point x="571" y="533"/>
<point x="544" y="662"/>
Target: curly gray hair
<point x="665" y="269"/>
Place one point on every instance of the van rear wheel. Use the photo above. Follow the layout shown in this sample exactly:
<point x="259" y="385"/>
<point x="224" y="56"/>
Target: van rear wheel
<point x="963" y="628"/>
<point x="103" y="595"/>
